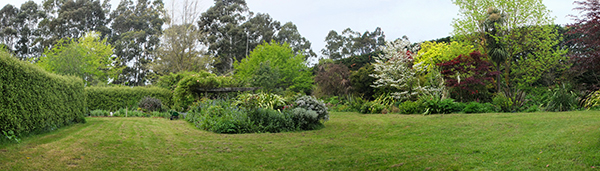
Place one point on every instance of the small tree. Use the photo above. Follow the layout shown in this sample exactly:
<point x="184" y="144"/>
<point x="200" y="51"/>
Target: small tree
<point x="333" y="79"/>
<point x="394" y="69"/>
<point x="294" y="75"/>
<point x="467" y="76"/>
<point x="88" y="57"/>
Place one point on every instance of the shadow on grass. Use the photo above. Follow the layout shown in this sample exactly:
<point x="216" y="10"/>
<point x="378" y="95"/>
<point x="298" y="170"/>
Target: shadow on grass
<point x="48" y="136"/>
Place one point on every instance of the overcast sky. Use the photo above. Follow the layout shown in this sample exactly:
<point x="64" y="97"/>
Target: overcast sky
<point x="420" y="20"/>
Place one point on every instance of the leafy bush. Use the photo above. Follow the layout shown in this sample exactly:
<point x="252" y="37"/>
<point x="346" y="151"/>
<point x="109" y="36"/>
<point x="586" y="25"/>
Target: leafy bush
<point x="150" y="104"/>
<point x="189" y="89"/>
<point x="510" y="100"/>
<point x="99" y="112"/>
<point x="562" y="99"/>
<point x="441" y="106"/>
<point x="219" y="116"/>
<point x="260" y="100"/>
<point x="412" y="107"/>
<point x="113" y="98"/>
<point x="361" y="81"/>
<point x="269" y="120"/>
<point x="467" y="77"/>
<point x="170" y="81"/>
<point x="305" y="119"/>
<point x="311" y="103"/>
<point x="33" y="100"/>
<point x="475" y="107"/>
<point x="293" y="73"/>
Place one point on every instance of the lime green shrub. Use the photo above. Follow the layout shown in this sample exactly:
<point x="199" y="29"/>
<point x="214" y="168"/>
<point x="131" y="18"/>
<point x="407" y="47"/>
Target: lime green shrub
<point x="33" y="100"/>
<point x="115" y="98"/>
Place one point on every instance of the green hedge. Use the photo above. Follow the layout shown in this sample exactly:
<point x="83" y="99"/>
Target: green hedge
<point x="33" y="100"/>
<point x="115" y="98"/>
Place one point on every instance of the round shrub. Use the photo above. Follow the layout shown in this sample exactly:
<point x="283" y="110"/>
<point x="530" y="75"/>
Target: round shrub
<point x="305" y="119"/>
<point x="150" y="104"/>
<point x="311" y="103"/>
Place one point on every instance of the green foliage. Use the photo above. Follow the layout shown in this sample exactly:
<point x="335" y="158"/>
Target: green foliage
<point x="562" y="99"/>
<point x="260" y="100"/>
<point x="293" y="73"/>
<point x="441" y="106"/>
<point x="266" y="77"/>
<point x="89" y="58"/>
<point x="99" y="112"/>
<point x="351" y="43"/>
<point x="432" y="53"/>
<point x="113" y="98"/>
<point x="510" y="100"/>
<point x="171" y="80"/>
<point x="189" y="89"/>
<point x="150" y="104"/>
<point x="475" y="107"/>
<point x="412" y="107"/>
<point x="361" y="81"/>
<point x="221" y="116"/>
<point x="33" y="100"/>
<point x="136" y="29"/>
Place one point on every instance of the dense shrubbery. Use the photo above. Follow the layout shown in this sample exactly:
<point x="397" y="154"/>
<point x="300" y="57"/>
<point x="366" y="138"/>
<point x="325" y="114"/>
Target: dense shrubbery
<point x="190" y="88"/>
<point x="230" y="116"/>
<point x="33" y="100"/>
<point x="114" y="98"/>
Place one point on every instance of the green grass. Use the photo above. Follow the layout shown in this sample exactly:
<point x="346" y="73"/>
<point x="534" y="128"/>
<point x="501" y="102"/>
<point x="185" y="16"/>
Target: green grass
<point x="350" y="141"/>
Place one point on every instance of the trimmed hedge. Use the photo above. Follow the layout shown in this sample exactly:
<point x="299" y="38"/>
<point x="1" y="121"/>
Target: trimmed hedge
<point x="33" y="100"/>
<point x="115" y="98"/>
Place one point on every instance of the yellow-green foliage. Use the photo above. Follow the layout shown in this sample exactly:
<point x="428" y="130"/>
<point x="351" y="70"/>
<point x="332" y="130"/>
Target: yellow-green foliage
<point x="33" y="100"/>
<point x="592" y="100"/>
<point x="187" y="89"/>
<point x="433" y="53"/>
<point x="115" y="98"/>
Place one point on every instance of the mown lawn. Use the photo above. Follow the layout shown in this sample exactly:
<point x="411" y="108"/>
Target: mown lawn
<point x="350" y="141"/>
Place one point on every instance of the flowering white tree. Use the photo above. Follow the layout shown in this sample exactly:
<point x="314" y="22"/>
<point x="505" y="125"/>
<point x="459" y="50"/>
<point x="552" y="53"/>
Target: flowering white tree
<point x="394" y="69"/>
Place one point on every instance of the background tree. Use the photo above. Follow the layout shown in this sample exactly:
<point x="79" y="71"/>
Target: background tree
<point x="333" y="80"/>
<point x="289" y="34"/>
<point x="496" y="49"/>
<point x="432" y="53"/>
<point x="351" y="43"/>
<point x="180" y="48"/>
<point x="528" y="35"/>
<point x="586" y="42"/>
<point x="19" y="29"/>
<point x="222" y="24"/>
<point x="136" y="36"/>
<point x="393" y="69"/>
<point x="8" y="34"/>
<point x="293" y="73"/>
<point x="232" y="31"/>
<point x="71" y="19"/>
<point x="88" y="57"/>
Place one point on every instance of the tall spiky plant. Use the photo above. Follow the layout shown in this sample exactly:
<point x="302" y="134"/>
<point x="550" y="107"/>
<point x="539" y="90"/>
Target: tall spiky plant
<point x="496" y="49"/>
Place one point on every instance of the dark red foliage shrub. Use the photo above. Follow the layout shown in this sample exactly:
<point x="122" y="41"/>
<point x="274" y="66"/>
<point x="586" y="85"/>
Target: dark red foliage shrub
<point x="333" y="79"/>
<point x="468" y="76"/>
<point x="585" y="47"/>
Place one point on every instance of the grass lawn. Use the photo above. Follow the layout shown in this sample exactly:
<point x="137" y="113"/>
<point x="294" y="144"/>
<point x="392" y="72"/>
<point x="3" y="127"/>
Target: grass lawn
<point x="350" y="141"/>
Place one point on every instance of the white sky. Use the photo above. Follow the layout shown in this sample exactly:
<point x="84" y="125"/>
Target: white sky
<point x="420" y="20"/>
